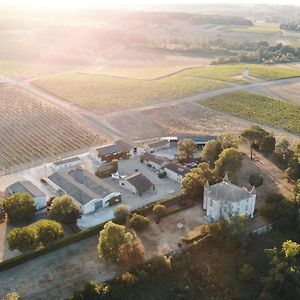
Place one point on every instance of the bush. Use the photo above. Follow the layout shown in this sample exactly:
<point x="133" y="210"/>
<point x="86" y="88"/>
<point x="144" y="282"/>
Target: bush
<point x="22" y="239"/>
<point x="11" y="296"/>
<point x="162" y="174"/>
<point x="48" y="231"/>
<point x="19" y="207"/>
<point x="159" y="210"/>
<point x="64" y="210"/>
<point x="256" y="179"/>
<point x="2" y="212"/>
<point x="121" y="213"/>
<point x="138" y="222"/>
<point x="128" y="278"/>
<point x="246" y="273"/>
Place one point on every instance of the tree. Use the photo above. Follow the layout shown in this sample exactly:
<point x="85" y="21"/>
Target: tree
<point x="194" y="181"/>
<point x="186" y="148"/>
<point x="64" y="210"/>
<point x="230" y="160"/>
<point x="112" y="238"/>
<point x="121" y="213"/>
<point x="2" y="212"/>
<point x="246" y="272"/>
<point x="268" y="143"/>
<point x="228" y="140"/>
<point x="22" y="238"/>
<point x="48" y="231"/>
<point x="139" y="222"/>
<point x="131" y="254"/>
<point x="159" y="210"/>
<point x="12" y="296"/>
<point x="256" y="179"/>
<point x="211" y="151"/>
<point x="283" y="277"/>
<point x="19" y="207"/>
<point x="251" y="135"/>
<point x="282" y="152"/>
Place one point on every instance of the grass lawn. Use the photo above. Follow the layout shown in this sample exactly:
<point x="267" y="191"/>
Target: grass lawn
<point x="258" y="108"/>
<point x="106" y="93"/>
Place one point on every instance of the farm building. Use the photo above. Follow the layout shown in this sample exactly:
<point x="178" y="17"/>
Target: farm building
<point x="67" y="163"/>
<point x="224" y="199"/>
<point x="28" y="187"/>
<point x="200" y="140"/>
<point x="175" y="171"/>
<point x="84" y="188"/>
<point x="119" y="149"/>
<point x="158" y="145"/>
<point x="153" y="160"/>
<point x="137" y="183"/>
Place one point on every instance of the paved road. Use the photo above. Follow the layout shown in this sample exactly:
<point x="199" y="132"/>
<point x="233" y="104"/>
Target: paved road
<point x="99" y="122"/>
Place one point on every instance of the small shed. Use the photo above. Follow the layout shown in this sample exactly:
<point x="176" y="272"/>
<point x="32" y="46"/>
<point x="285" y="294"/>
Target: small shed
<point x="137" y="184"/>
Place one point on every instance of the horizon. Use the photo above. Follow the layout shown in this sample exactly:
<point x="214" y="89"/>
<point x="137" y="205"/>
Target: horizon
<point x="115" y="4"/>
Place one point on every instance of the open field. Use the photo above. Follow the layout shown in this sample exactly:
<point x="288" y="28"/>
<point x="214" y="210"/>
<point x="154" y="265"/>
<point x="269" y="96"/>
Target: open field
<point x="229" y="72"/>
<point x="109" y="93"/>
<point x="184" y="118"/>
<point x="259" y="108"/>
<point x="24" y="70"/>
<point x="32" y="130"/>
<point x="290" y="91"/>
<point x="258" y="29"/>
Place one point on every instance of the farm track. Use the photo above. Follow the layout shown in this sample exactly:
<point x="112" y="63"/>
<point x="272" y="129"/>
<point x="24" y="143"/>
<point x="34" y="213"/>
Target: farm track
<point x="100" y="123"/>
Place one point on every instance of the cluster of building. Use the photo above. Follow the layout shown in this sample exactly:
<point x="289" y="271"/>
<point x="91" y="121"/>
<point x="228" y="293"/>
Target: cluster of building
<point x="69" y="177"/>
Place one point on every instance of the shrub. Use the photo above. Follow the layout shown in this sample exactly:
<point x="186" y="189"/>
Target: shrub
<point x="256" y="179"/>
<point x="48" y="231"/>
<point x="159" y="210"/>
<point x="121" y="213"/>
<point x="11" y="296"/>
<point x="19" y="207"/>
<point x="2" y="212"/>
<point x="246" y="273"/>
<point x="64" y="210"/>
<point x="138" y="222"/>
<point x="128" y="278"/>
<point x="162" y="174"/>
<point x="22" y="239"/>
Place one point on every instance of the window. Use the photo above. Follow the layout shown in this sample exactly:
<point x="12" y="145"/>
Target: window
<point x="211" y="202"/>
<point x="247" y="206"/>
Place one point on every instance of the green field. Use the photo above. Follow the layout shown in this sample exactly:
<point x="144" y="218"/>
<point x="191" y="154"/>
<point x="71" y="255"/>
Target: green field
<point x="106" y="93"/>
<point x="258" y="108"/>
<point x="258" y="29"/>
<point x="24" y="70"/>
<point x="229" y="72"/>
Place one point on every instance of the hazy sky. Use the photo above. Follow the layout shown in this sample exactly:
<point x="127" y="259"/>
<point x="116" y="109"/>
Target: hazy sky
<point x="126" y="3"/>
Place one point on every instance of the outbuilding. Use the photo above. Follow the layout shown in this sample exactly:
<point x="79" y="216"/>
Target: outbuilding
<point x="176" y="171"/>
<point x="158" y="145"/>
<point x="153" y="161"/>
<point x="66" y="164"/>
<point x="137" y="184"/>
<point x="84" y="188"/>
<point x="28" y="187"/>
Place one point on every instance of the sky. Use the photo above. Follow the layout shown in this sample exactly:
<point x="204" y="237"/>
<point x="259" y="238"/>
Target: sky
<point x="126" y="3"/>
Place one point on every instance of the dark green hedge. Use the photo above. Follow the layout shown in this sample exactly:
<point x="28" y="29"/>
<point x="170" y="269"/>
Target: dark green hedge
<point x="9" y="263"/>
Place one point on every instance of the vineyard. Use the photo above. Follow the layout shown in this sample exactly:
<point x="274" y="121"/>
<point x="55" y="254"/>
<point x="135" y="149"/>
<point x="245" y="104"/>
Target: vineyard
<point x="32" y="130"/>
<point x="258" y="108"/>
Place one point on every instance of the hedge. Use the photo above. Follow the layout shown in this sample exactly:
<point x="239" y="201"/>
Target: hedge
<point x="9" y="263"/>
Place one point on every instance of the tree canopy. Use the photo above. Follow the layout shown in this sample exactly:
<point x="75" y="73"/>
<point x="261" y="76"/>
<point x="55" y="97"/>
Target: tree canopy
<point x="64" y="210"/>
<point x="187" y="149"/>
<point x="19" y="207"/>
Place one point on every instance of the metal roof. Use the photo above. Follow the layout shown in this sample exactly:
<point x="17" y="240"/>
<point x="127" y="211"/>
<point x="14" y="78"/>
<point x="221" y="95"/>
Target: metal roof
<point x="109" y="149"/>
<point x="153" y="158"/>
<point x="159" y="143"/>
<point x="25" y="187"/>
<point x="90" y="181"/>
<point x="177" y="168"/>
<point x="71" y="187"/>
<point x="199" y="139"/>
<point x="67" y="160"/>
<point x="140" y="182"/>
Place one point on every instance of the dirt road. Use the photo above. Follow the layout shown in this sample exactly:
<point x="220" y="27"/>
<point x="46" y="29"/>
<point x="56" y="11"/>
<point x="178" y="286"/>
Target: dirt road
<point x="100" y="123"/>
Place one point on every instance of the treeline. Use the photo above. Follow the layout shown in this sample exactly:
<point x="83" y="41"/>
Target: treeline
<point x="265" y="53"/>
<point x="221" y="20"/>
<point x="291" y="26"/>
